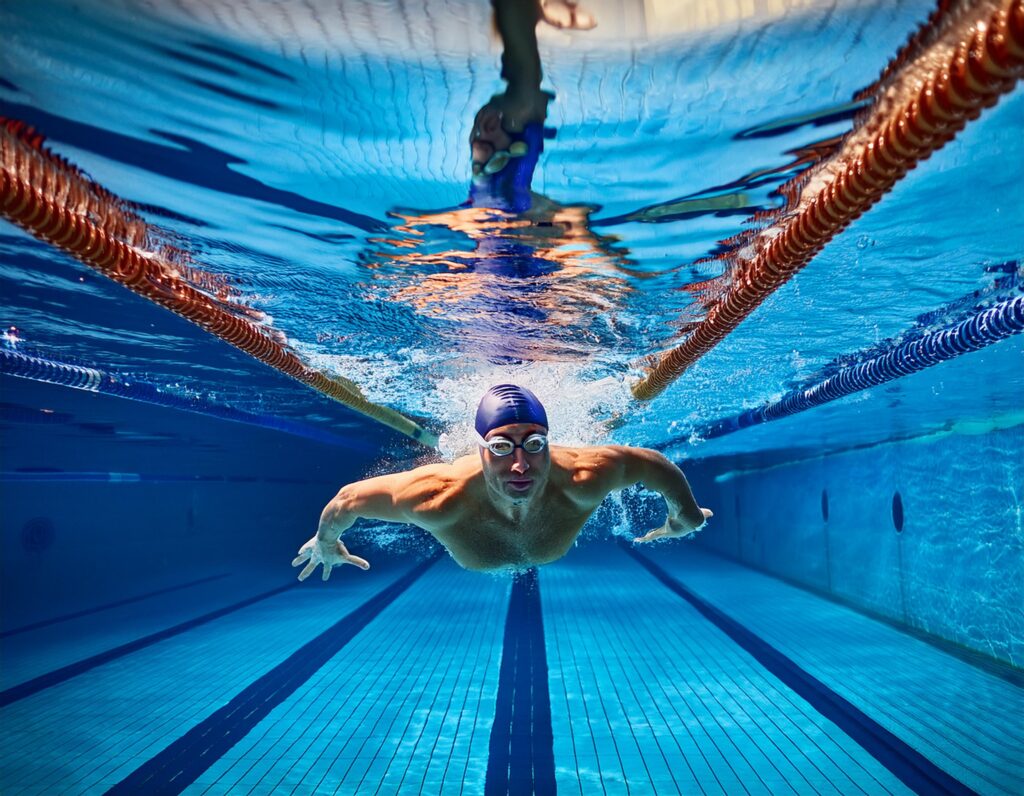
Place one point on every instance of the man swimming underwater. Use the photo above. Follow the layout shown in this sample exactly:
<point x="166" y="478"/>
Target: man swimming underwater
<point x="521" y="502"/>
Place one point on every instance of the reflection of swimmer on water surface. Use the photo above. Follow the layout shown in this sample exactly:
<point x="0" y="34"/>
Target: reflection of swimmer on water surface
<point x="515" y="253"/>
<point x="508" y="133"/>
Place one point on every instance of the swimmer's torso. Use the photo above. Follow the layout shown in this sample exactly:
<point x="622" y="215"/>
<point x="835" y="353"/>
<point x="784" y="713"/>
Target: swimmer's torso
<point x="460" y="515"/>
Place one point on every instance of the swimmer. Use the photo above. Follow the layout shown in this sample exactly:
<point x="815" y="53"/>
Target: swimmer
<point x="519" y="502"/>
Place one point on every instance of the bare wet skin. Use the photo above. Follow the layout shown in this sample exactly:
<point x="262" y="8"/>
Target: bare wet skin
<point x="494" y="512"/>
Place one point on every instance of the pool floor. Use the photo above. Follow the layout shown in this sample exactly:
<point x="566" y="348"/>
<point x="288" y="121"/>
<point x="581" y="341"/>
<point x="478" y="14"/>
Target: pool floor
<point x="617" y="670"/>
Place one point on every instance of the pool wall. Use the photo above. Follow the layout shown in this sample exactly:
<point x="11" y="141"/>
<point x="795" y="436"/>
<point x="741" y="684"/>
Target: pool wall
<point x="111" y="499"/>
<point x="927" y="532"/>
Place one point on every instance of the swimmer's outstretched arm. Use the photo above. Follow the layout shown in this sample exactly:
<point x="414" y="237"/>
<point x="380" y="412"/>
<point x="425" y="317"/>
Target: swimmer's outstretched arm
<point x="385" y="497"/>
<point x="634" y="465"/>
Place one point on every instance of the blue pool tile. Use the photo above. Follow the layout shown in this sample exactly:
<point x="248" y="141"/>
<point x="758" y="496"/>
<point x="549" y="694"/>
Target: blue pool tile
<point x="75" y="737"/>
<point x="965" y="720"/>
<point x="654" y="695"/>
<point x="400" y="704"/>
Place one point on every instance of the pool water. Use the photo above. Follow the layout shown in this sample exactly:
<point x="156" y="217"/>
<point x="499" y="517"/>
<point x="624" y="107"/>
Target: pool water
<point x="850" y="620"/>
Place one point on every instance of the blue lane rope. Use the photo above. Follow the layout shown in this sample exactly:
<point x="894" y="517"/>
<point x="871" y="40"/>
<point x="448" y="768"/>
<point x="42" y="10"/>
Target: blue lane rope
<point x="989" y="326"/>
<point x="39" y="368"/>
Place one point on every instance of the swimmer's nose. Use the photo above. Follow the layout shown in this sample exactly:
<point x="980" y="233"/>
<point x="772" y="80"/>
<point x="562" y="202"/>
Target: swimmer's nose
<point x="520" y="465"/>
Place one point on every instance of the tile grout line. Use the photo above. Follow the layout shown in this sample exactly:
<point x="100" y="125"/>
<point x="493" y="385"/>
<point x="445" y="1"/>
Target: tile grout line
<point x="907" y="764"/>
<point x="64" y="673"/>
<point x="184" y="760"/>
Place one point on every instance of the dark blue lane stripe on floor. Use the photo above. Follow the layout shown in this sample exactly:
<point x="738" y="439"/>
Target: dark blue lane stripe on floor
<point x="186" y="759"/>
<point x="37" y="684"/>
<point x="107" y="606"/>
<point x="915" y="770"/>
<point x="521" y="758"/>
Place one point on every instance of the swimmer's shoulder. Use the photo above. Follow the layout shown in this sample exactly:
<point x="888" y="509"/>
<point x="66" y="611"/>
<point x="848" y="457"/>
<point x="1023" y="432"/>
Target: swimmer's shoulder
<point x="589" y="472"/>
<point x="439" y="491"/>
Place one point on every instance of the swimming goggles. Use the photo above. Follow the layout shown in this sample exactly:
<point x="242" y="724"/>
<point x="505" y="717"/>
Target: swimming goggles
<point x="503" y="446"/>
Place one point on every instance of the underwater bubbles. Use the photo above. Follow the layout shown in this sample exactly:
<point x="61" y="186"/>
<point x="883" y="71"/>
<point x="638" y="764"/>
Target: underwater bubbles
<point x="580" y="410"/>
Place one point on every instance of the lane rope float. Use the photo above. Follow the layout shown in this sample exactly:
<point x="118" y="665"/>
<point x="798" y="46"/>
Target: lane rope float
<point x="962" y="60"/>
<point x="55" y="202"/>
<point x="988" y="326"/>
<point x="36" y="367"/>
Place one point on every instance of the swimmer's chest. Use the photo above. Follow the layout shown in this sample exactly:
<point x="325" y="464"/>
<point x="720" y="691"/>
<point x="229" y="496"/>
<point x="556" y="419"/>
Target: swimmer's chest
<point x="487" y="542"/>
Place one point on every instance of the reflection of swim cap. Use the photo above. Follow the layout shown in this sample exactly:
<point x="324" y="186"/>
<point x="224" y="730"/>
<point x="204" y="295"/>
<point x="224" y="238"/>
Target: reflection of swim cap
<point x="505" y="404"/>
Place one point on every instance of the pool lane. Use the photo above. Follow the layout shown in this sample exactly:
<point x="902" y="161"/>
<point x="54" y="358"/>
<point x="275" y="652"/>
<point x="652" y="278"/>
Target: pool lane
<point x="108" y="606"/>
<point x="406" y="707"/>
<point x="88" y="733"/>
<point x="965" y="720"/>
<point x="647" y="696"/>
<point x="50" y="646"/>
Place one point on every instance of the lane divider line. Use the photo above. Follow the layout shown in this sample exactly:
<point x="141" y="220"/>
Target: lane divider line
<point x="521" y="758"/>
<point x="57" y="676"/>
<point x="912" y="768"/>
<point x="186" y="759"/>
<point x="107" y="606"/>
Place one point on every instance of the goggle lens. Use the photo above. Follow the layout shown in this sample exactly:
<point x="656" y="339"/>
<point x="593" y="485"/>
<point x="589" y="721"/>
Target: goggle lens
<point x="535" y="443"/>
<point x="502" y="446"/>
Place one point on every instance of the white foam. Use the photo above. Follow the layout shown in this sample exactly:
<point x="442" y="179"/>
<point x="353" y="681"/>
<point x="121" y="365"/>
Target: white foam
<point x="578" y="407"/>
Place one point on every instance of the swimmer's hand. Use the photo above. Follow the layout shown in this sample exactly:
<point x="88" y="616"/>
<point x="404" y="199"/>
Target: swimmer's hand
<point x="567" y="14"/>
<point x="674" y="528"/>
<point x="331" y="554"/>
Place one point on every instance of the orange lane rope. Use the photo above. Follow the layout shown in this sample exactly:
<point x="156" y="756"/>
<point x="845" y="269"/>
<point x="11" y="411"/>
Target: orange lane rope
<point x="55" y="202"/>
<point x="964" y="58"/>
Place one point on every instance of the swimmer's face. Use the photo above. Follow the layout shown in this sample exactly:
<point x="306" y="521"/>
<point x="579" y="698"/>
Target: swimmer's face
<point x="520" y="475"/>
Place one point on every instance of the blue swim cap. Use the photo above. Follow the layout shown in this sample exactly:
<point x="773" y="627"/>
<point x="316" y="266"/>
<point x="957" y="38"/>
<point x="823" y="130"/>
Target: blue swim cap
<point x="505" y="404"/>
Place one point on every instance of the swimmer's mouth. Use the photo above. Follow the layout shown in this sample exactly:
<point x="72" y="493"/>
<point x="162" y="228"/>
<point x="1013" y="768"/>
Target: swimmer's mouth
<point x="520" y="485"/>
